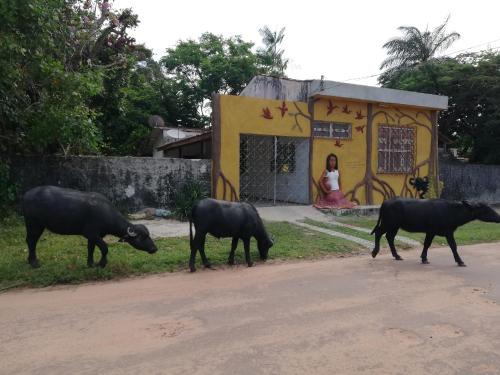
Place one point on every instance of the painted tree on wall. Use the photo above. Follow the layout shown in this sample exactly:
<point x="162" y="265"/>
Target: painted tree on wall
<point x="373" y="182"/>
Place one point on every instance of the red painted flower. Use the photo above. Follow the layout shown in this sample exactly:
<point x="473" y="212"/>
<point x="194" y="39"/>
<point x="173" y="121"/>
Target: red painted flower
<point x="345" y="109"/>
<point x="266" y="113"/>
<point x="330" y="107"/>
<point x="283" y="109"/>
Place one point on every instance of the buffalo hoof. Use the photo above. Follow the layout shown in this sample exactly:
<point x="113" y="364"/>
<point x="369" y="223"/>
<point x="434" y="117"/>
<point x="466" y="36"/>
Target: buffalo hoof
<point x="91" y="265"/>
<point x="462" y="264"/>
<point x="374" y="253"/>
<point x="192" y="269"/>
<point x="102" y="264"/>
<point x="425" y="261"/>
<point x="34" y="263"/>
<point x="209" y="266"/>
<point x="230" y="262"/>
<point x="397" y="257"/>
<point x="250" y="264"/>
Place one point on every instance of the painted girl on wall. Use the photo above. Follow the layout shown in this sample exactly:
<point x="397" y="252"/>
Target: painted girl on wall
<point x="330" y="184"/>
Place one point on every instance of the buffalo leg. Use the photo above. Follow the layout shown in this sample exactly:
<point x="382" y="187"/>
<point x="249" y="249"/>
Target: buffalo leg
<point x="90" y="253"/>
<point x="104" y="252"/>
<point x="234" y="245"/>
<point x="246" y="244"/>
<point x="192" y="258"/>
<point x="33" y="233"/>
<point x="427" y="243"/>
<point x="204" y="258"/>
<point x="390" y="239"/>
<point x="453" y="246"/>
<point x="378" y="234"/>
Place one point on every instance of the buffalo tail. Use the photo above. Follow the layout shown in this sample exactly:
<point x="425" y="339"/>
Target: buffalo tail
<point x="378" y="221"/>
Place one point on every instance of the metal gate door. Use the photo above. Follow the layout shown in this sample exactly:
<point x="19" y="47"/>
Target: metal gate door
<point x="274" y="169"/>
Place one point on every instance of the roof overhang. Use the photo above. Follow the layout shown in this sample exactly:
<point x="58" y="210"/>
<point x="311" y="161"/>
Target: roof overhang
<point x="186" y="141"/>
<point x="378" y="95"/>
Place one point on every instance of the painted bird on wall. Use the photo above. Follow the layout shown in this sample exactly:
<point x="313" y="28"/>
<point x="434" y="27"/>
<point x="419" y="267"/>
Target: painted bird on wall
<point x="360" y="129"/>
<point x="266" y="113"/>
<point x="283" y="109"/>
<point x="338" y="143"/>
<point x="345" y="109"/>
<point x="330" y="107"/>
<point x="359" y="115"/>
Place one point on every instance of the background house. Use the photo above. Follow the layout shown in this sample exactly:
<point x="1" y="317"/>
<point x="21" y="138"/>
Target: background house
<point x="163" y="136"/>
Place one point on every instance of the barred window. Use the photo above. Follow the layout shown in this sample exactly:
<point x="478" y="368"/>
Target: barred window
<point x="396" y="146"/>
<point x="332" y="130"/>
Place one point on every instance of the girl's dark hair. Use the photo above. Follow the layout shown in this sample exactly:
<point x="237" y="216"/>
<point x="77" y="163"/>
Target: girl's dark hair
<point x="328" y="164"/>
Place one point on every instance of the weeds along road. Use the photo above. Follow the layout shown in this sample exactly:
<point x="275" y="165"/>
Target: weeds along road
<point x="335" y="316"/>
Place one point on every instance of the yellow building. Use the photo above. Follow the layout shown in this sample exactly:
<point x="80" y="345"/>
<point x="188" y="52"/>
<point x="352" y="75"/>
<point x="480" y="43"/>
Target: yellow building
<point x="270" y="143"/>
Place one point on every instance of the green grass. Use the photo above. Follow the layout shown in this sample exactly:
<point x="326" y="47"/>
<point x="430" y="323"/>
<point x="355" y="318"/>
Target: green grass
<point x="355" y="233"/>
<point x="468" y="234"/>
<point x="63" y="258"/>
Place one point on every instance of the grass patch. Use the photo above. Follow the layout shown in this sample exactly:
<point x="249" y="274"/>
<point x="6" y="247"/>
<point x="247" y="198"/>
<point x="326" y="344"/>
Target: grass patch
<point x="355" y="233"/>
<point x="468" y="234"/>
<point x="63" y="258"/>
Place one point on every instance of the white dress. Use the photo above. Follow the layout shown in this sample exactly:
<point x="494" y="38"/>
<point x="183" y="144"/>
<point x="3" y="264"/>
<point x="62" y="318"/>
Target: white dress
<point x="333" y="179"/>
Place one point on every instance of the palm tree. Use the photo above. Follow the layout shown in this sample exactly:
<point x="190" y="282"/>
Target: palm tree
<point x="272" y="57"/>
<point x="415" y="47"/>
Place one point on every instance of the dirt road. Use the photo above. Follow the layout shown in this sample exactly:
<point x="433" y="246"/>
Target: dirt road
<point x="335" y="316"/>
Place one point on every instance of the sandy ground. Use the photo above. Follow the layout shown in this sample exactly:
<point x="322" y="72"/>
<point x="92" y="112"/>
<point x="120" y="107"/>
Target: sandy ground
<point x="335" y="316"/>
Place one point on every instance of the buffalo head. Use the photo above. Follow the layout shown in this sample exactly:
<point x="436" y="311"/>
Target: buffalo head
<point x="482" y="211"/>
<point x="264" y="244"/>
<point x="138" y="236"/>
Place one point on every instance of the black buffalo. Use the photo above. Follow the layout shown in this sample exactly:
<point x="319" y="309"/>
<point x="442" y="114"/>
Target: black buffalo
<point x="67" y="211"/>
<point x="434" y="217"/>
<point x="226" y="219"/>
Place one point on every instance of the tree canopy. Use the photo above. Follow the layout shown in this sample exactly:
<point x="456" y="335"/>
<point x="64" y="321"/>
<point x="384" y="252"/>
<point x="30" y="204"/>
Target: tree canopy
<point x="472" y="83"/>
<point x="414" y="47"/>
<point x="73" y="80"/>
<point x="213" y="64"/>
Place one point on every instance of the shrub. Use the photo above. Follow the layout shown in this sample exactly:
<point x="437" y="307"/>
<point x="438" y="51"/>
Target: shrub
<point x="191" y="192"/>
<point x="432" y="193"/>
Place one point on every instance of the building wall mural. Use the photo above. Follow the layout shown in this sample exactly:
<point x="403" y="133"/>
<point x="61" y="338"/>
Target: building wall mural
<point x="359" y="133"/>
<point x="235" y="115"/>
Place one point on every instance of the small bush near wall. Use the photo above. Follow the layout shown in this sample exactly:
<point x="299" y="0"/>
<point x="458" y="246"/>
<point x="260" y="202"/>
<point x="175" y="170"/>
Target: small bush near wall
<point x="432" y="193"/>
<point x="190" y="192"/>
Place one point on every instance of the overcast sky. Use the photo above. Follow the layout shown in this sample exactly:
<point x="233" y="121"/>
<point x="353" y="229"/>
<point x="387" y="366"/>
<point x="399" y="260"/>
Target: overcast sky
<point x="340" y="40"/>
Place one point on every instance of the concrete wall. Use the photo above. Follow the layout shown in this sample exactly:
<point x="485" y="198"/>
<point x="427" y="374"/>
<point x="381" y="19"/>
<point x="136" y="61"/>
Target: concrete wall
<point x="470" y="181"/>
<point x="130" y="183"/>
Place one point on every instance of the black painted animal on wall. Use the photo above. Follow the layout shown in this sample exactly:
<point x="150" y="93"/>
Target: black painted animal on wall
<point x="421" y="185"/>
<point x="224" y="219"/>
<point x="91" y="215"/>
<point x="434" y="217"/>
